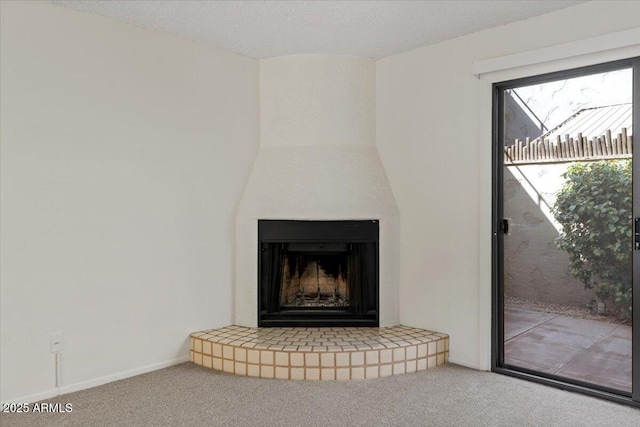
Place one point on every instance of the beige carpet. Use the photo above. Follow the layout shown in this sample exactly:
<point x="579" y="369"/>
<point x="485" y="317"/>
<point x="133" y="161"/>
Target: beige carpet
<point x="189" y="395"/>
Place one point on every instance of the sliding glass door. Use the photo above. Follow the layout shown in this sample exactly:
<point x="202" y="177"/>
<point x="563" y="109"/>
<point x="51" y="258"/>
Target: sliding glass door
<point x="565" y="242"/>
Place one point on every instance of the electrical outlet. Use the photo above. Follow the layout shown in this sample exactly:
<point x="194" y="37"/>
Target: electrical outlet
<point x="57" y="342"/>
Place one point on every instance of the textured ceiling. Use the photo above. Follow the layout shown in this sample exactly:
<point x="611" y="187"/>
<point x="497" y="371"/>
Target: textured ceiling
<point x="263" y="29"/>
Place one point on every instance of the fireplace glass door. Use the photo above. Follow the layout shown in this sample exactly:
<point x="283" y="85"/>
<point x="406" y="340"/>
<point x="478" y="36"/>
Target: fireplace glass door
<point x="318" y="273"/>
<point x="314" y="280"/>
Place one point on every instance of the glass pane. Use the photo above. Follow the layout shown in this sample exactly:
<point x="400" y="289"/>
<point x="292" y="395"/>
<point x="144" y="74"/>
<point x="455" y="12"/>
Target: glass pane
<point x="314" y="280"/>
<point x="568" y="201"/>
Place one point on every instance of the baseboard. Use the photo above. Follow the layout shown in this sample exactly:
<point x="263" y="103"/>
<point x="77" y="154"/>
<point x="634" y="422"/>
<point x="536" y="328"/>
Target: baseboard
<point x="36" y="397"/>
<point x="55" y="392"/>
<point x="465" y="364"/>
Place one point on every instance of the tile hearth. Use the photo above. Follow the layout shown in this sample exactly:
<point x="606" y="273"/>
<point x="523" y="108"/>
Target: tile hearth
<point x="319" y="353"/>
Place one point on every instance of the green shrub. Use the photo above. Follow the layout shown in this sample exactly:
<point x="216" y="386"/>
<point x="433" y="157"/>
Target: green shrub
<point x="594" y="209"/>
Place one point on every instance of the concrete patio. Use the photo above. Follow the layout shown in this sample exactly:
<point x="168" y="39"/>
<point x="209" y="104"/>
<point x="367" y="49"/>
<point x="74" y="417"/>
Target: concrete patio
<point x="587" y="350"/>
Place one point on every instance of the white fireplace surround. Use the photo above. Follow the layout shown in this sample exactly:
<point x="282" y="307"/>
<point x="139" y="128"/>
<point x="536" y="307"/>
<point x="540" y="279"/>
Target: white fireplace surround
<point x="317" y="161"/>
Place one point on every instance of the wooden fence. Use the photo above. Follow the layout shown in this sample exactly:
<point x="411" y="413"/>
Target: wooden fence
<point x="567" y="149"/>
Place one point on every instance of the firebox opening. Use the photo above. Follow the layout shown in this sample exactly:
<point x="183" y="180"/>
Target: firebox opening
<point x="314" y="281"/>
<point x="318" y="273"/>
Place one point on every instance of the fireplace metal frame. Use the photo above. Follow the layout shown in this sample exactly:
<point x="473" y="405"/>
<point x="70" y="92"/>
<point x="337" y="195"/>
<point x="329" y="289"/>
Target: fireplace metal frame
<point x="316" y="234"/>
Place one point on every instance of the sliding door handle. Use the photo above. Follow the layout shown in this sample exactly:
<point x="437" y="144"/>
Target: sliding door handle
<point x="504" y="226"/>
<point x="636" y="234"/>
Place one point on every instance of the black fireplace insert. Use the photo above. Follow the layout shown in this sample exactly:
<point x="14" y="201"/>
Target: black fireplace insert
<point x="318" y="273"/>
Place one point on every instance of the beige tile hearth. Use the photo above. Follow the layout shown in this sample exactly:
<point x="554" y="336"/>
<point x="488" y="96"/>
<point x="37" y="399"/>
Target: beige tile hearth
<point x="319" y="353"/>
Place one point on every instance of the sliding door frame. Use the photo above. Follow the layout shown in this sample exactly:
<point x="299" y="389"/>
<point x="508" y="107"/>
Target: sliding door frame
<point x="497" y="253"/>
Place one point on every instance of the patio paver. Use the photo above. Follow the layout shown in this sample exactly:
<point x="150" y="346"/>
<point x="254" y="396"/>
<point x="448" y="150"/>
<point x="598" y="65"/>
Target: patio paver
<point x="587" y="350"/>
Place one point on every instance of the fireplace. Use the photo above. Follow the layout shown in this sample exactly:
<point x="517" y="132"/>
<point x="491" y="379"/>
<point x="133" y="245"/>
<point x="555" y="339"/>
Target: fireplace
<point x="318" y="273"/>
<point x="317" y="164"/>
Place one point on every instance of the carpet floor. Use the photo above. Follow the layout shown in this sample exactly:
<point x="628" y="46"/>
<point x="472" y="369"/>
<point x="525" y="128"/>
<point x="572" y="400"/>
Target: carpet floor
<point x="450" y="395"/>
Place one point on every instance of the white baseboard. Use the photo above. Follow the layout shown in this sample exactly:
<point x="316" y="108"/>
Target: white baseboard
<point x="55" y="392"/>
<point x="36" y="397"/>
<point x="466" y="364"/>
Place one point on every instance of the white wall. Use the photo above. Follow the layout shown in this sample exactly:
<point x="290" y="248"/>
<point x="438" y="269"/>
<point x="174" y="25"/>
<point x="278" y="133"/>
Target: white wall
<point x="124" y="155"/>
<point x="434" y="139"/>
<point x="317" y="100"/>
